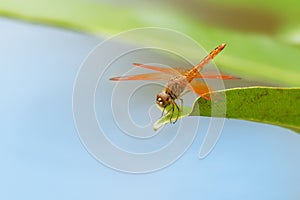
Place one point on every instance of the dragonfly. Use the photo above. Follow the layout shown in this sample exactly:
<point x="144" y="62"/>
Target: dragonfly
<point x="179" y="81"/>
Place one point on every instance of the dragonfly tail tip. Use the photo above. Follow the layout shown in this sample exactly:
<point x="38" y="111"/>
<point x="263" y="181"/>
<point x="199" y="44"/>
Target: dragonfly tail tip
<point x="222" y="46"/>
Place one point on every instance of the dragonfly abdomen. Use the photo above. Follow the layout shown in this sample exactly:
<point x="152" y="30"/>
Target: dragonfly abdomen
<point x="191" y="74"/>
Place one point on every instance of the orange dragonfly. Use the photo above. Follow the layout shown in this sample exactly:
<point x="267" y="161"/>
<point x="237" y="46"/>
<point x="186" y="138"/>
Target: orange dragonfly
<point x="179" y="79"/>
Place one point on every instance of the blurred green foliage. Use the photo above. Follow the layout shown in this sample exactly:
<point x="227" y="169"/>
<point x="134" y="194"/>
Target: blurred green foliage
<point x="261" y="35"/>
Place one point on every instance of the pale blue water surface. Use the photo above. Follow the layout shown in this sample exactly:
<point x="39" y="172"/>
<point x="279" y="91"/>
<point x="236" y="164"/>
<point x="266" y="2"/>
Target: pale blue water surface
<point x="42" y="156"/>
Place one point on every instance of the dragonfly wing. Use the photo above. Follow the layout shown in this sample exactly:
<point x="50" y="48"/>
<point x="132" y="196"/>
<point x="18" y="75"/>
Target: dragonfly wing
<point x="216" y="75"/>
<point x="172" y="71"/>
<point x="200" y="88"/>
<point x="150" y="76"/>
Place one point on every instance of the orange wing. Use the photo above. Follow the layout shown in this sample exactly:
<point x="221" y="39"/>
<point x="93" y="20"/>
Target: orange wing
<point x="182" y="71"/>
<point x="216" y="75"/>
<point x="167" y="73"/>
<point x="172" y="71"/>
<point x="200" y="88"/>
<point x="150" y="76"/>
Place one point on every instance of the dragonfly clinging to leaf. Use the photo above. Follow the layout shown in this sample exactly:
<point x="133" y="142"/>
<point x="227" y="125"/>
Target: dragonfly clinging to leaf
<point x="179" y="79"/>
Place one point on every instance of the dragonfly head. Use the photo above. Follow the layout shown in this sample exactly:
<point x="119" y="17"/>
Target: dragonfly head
<point x="163" y="99"/>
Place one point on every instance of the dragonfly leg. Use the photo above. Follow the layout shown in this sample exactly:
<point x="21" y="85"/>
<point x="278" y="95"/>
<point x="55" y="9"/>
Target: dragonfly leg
<point x="172" y="112"/>
<point x="167" y="111"/>
<point x="178" y="109"/>
<point x="181" y="104"/>
<point x="162" y="114"/>
<point x="185" y="92"/>
<point x="178" y="112"/>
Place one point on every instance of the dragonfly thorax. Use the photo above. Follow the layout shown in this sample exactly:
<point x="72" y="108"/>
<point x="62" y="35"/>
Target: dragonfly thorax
<point x="163" y="99"/>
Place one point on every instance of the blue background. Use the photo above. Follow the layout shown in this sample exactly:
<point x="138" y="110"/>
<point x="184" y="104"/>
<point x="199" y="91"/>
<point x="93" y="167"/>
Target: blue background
<point x="42" y="156"/>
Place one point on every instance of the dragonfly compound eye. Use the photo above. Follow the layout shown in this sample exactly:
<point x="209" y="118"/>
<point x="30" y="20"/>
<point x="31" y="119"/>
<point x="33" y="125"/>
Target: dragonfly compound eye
<point x="162" y="99"/>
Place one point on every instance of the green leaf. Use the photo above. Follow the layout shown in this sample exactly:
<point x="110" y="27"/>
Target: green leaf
<point x="277" y="106"/>
<point x="258" y="57"/>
